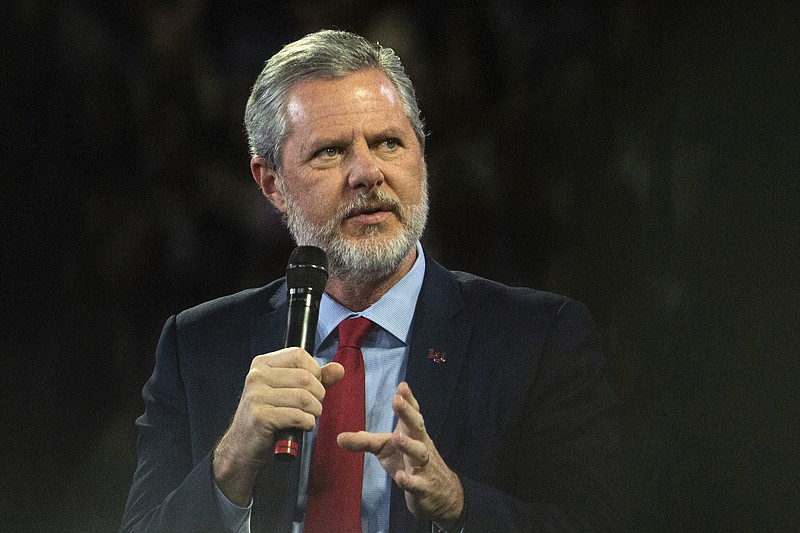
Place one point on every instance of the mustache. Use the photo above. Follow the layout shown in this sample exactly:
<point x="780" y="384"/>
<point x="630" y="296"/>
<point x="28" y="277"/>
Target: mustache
<point x="376" y="200"/>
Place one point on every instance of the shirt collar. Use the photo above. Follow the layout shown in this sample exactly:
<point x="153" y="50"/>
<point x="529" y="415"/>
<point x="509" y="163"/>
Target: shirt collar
<point x="392" y="312"/>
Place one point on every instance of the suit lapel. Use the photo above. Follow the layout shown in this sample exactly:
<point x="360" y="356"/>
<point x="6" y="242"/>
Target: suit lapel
<point x="267" y="331"/>
<point x="438" y="346"/>
<point x="439" y="340"/>
<point x="275" y="493"/>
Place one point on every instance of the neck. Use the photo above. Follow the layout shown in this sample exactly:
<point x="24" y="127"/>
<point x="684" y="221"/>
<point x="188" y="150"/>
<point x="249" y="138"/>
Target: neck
<point x="357" y="295"/>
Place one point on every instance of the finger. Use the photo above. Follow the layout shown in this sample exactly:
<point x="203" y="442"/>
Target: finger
<point x="410" y="417"/>
<point x="295" y="398"/>
<point x="416" y="452"/>
<point x="274" y="419"/>
<point x="284" y="378"/>
<point x="406" y="482"/>
<point x="411" y="482"/>
<point x="331" y="373"/>
<point x="405" y="391"/>
<point x="363" y="441"/>
<point x="292" y="357"/>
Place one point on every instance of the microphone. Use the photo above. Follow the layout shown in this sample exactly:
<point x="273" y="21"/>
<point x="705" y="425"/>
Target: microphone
<point x="306" y="276"/>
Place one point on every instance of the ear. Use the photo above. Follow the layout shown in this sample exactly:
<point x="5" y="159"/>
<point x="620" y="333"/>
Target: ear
<point x="266" y="178"/>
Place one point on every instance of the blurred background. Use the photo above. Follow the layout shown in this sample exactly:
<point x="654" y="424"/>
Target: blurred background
<point x="640" y="159"/>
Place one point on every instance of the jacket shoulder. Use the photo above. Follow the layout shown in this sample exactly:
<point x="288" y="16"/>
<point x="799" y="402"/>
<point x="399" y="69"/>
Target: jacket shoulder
<point x="486" y="292"/>
<point x="525" y="314"/>
<point x="238" y="307"/>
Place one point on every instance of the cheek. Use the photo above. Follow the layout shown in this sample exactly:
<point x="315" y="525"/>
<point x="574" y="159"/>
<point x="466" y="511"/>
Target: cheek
<point x="316" y="203"/>
<point x="409" y="188"/>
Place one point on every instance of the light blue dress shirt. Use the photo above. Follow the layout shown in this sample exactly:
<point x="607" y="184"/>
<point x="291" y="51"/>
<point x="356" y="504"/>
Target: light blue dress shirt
<point x="385" y="352"/>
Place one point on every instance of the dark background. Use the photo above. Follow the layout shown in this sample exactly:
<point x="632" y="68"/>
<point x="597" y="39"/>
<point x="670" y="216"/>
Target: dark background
<point x="640" y="159"/>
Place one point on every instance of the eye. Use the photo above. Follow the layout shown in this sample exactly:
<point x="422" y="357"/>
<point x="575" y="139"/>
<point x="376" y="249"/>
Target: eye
<point x="329" y="152"/>
<point x="391" y="144"/>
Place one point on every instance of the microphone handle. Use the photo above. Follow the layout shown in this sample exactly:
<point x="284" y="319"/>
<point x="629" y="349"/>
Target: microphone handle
<point x="301" y="331"/>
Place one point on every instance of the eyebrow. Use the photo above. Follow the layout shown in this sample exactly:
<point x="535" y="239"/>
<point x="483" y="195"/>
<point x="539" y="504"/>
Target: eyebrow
<point x="390" y="132"/>
<point x="315" y="144"/>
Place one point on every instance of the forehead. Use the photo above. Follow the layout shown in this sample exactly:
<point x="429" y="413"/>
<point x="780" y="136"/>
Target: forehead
<point x="359" y="98"/>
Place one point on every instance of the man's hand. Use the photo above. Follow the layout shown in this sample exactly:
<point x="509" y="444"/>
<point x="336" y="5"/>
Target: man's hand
<point x="433" y="491"/>
<point x="283" y="389"/>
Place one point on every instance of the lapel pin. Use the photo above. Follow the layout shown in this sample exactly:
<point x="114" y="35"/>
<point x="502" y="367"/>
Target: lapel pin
<point x="436" y="356"/>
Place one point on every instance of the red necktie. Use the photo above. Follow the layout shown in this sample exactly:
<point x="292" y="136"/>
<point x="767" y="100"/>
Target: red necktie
<point x="334" y="489"/>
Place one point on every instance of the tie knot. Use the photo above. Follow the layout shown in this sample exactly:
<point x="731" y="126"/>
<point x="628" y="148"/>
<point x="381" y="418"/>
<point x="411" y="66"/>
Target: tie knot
<point x="353" y="330"/>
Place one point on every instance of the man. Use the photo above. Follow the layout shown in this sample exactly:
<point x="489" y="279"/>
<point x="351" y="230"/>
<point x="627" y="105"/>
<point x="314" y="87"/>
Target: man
<point x="486" y="406"/>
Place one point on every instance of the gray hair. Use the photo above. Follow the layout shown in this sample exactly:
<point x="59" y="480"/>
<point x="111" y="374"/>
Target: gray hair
<point x="327" y="54"/>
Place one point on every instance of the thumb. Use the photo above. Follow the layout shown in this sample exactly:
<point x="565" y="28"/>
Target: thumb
<point x="331" y="373"/>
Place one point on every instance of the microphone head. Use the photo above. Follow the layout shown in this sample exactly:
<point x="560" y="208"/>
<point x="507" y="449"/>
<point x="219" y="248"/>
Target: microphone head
<point x="307" y="268"/>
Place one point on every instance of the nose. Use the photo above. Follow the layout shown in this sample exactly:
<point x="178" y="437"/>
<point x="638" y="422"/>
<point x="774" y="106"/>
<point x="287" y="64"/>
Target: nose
<point x="364" y="168"/>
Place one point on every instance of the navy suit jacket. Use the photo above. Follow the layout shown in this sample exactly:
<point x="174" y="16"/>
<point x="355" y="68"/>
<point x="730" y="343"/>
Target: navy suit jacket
<point x="516" y="401"/>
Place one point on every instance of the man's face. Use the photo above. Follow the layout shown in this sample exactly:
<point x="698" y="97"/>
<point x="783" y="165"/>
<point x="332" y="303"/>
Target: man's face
<point x="353" y="176"/>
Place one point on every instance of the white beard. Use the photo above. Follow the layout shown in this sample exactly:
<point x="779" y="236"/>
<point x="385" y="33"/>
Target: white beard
<point x="373" y="259"/>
